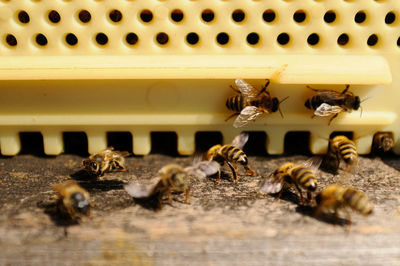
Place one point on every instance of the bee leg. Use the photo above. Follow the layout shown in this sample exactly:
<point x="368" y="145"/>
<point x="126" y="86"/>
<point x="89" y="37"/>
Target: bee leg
<point x="187" y="191"/>
<point x="333" y="117"/>
<point x="249" y="172"/>
<point x="234" y="174"/>
<point x="219" y="177"/>
<point x="280" y="194"/>
<point x="311" y="88"/>
<point x="301" y="194"/>
<point x="235" y="89"/>
<point x="312" y="116"/>
<point x="309" y="197"/>
<point x="169" y="197"/>
<point x="264" y="88"/>
<point x="346" y="89"/>
<point x="231" y="116"/>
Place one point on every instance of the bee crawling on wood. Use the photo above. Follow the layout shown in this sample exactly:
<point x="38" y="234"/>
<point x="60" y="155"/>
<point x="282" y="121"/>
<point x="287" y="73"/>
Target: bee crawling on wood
<point x="301" y="176"/>
<point x="172" y="178"/>
<point x="231" y="154"/>
<point x="105" y="161"/>
<point x="251" y="103"/>
<point x="330" y="102"/>
<point x="341" y="148"/>
<point x="73" y="200"/>
<point x="382" y="142"/>
<point x="334" y="198"/>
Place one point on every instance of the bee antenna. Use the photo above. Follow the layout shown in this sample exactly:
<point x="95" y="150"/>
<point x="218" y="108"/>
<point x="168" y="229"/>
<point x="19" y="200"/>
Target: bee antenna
<point x="279" y="108"/>
<point x="361" y="110"/>
<point x="365" y="99"/>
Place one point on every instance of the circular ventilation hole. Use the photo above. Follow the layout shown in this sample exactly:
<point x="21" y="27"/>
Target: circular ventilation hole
<point x="146" y="15"/>
<point x="222" y="38"/>
<point x="299" y="16"/>
<point x="115" y="15"/>
<point x="131" y="38"/>
<point x="11" y="40"/>
<point x="162" y="38"/>
<point x="398" y="42"/>
<point x="343" y="39"/>
<point x="41" y="39"/>
<point x="207" y="15"/>
<point x="101" y="38"/>
<point x="360" y="17"/>
<point x="238" y="15"/>
<point x="23" y="17"/>
<point x="330" y="16"/>
<point x="84" y="16"/>
<point x="390" y="18"/>
<point x="269" y="15"/>
<point x="54" y="16"/>
<point x="192" y="38"/>
<point x="283" y="38"/>
<point x="177" y="15"/>
<point x="71" y="39"/>
<point x="372" y="40"/>
<point x="313" y="39"/>
<point x="253" y="38"/>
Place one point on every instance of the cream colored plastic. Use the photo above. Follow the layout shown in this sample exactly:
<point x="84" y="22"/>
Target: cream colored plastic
<point x="180" y="87"/>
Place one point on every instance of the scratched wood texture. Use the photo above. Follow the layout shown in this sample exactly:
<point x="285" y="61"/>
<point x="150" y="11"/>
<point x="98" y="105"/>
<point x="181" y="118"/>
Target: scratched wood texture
<point x="225" y="225"/>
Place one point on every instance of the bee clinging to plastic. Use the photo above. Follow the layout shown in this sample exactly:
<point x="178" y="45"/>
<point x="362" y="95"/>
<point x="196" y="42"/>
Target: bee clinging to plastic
<point x="344" y="149"/>
<point x="382" y="142"/>
<point x="73" y="200"/>
<point x="251" y="103"/>
<point x="301" y="176"/>
<point x="231" y="154"/>
<point x="105" y="161"/>
<point x="330" y="102"/>
<point x="172" y="178"/>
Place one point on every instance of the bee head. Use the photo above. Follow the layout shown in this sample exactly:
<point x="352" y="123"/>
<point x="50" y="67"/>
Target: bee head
<point x="356" y="103"/>
<point x="308" y="104"/>
<point x="80" y="204"/>
<point x="212" y="152"/>
<point x="275" y="104"/>
<point x="91" y="165"/>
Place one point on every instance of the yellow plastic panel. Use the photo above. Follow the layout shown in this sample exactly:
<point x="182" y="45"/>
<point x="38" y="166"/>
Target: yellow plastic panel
<point x="150" y="65"/>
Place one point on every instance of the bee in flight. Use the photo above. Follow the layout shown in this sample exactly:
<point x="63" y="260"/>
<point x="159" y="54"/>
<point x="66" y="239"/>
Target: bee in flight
<point x="250" y="103"/>
<point x="105" y="161"/>
<point x="334" y="198"/>
<point x="301" y="176"/>
<point x="73" y="200"/>
<point x="330" y="102"/>
<point x="231" y="154"/>
<point x="382" y="142"/>
<point x="342" y="148"/>
<point x="172" y="178"/>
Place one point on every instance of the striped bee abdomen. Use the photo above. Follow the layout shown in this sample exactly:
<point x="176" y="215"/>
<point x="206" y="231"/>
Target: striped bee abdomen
<point x="236" y="103"/>
<point x="304" y="177"/>
<point x="348" y="151"/>
<point x="234" y="154"/>
<point x="357" y="201"/>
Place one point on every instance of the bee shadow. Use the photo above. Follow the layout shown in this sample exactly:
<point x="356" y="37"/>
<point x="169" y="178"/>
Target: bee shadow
<point x="328" y="218"/>
<point x="152" y="203"/>
<point x="102" y="185"/>
<point x="288" y="196"/>
<point x="56" y="216"/>
<point x="82" y="175"/>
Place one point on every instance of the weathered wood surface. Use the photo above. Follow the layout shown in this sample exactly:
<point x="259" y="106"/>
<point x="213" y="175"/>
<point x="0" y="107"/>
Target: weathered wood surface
<point x="227" y="224"/>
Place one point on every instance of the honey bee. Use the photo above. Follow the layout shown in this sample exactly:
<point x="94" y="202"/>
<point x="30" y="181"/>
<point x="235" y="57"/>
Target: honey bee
<point x="250" y="103"/>
<point x="301" y="176"/>
<point x="334" y="198"/>
<point x="73" y="200"/>
<point x="343" y="148"/>
<point x="231" y="154"/>
<point x="383" y="141"/>
<point x="105" y="161"/>
<point x="330" y="102"/>
<point x="172" y="178"/>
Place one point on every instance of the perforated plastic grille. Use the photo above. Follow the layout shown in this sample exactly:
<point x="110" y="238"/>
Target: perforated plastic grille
<point x="31" y="27"/>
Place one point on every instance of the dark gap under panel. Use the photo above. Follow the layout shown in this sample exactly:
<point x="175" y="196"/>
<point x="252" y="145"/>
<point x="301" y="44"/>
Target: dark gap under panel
<point x="75" y="143"/>
<point x="164" y="143"/>
<point x="256" y="145"/>
<point x="297" y="142"/>
<point x="32" y="143"/>
<point x="207" y="139"/>
<point x="121" y="141"/>
<point x="348" y="134"/>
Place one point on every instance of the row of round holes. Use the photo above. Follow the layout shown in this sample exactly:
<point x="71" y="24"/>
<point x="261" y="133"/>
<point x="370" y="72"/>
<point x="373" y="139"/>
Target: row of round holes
<point x="193" y="38"/>
<point x="207" y="15"/>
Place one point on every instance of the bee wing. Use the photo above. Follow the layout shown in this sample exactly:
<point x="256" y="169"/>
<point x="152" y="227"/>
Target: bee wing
<point x="272" y="184"/>
<point x="203" y="169"/>
<point x="246" y="89"/>
<point x="327" y="110"/>
<point x="123" y="153"/>
<point x="250" y="113"/>
<point x="313" y="163"/>
<point x="137" y="190"/>
<point x="240" y="140"/>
